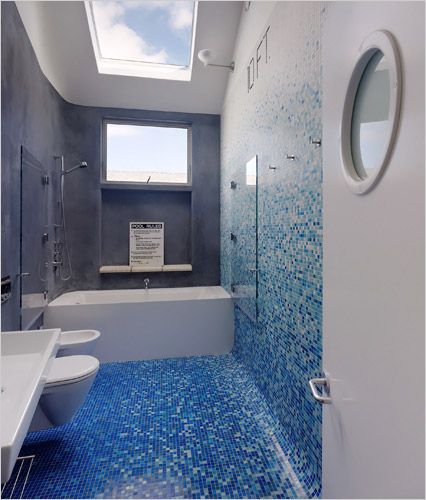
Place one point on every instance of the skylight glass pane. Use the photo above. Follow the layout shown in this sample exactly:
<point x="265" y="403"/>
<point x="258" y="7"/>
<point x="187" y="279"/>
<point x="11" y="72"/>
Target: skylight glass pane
<point x="144" y="31"/>
<point x="139" y="153"/>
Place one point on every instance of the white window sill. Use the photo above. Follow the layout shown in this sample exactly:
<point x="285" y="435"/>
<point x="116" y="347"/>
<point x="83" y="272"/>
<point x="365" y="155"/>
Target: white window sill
<point x="146" y="187"/>
<point x="144" y="269"/>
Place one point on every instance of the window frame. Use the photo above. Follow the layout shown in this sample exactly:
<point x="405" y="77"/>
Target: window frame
<point x="170" y="186"/>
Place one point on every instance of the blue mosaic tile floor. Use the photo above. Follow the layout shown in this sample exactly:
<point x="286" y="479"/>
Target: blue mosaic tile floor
<point x="182" y="428"/>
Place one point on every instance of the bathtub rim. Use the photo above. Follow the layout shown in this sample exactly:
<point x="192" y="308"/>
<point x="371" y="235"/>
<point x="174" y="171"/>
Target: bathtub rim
<point x="129" y="296"/>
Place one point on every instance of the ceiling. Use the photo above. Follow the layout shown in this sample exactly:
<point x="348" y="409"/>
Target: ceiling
<point x="59" y="33"/>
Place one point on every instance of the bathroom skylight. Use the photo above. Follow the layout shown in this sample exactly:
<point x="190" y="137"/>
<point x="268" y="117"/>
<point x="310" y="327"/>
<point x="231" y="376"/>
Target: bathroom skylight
<point x="152" y="39"/>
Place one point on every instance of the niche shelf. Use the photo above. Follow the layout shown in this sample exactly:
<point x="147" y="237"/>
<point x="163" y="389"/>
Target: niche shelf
<point x="169" y="268"/>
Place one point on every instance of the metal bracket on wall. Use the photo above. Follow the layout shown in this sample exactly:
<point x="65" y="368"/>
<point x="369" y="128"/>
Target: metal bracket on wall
<point x="45" y="180"/>
<point x="290" y="157"/>
<point x="316" y="142"/>
<point x="23" y="275"/>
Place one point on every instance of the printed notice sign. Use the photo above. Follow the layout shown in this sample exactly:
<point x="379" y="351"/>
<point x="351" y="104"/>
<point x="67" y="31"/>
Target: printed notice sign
<point x="146" y="244"/>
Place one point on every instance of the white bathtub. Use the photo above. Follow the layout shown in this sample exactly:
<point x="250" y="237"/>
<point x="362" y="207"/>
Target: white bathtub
<point x="149" y="324"/>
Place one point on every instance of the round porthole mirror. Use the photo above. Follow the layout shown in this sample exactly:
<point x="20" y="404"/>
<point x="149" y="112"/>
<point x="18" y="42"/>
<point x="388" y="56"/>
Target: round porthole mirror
<point x="371" y="112"/>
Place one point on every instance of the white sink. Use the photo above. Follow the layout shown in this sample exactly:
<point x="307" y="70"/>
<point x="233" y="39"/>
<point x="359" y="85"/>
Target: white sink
<point x="25" y="361"/>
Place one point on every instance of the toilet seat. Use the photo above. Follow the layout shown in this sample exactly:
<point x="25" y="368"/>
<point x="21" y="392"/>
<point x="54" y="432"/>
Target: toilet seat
<point x="71" y="369"/>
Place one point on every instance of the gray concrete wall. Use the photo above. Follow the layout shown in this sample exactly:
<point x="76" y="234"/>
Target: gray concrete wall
<point x="172" y="208"/>
<point x="98" y="219"/>
<point x="31" y="115"/>
<point x="34" y="115"/>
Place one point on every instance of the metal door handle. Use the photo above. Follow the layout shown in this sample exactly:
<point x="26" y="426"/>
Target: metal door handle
<point x="324" y="382"/>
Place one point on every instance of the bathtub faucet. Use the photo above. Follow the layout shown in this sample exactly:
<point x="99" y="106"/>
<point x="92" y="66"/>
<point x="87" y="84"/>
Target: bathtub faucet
<point x="146" y="281"/>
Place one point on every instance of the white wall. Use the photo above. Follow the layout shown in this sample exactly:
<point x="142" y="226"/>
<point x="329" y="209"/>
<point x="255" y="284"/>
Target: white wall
<point x="252" y="23"/>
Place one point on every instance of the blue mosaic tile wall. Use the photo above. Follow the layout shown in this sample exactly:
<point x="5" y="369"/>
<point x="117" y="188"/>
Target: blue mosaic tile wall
<point x="177" y="428"/>
<point x="279" y="115"/>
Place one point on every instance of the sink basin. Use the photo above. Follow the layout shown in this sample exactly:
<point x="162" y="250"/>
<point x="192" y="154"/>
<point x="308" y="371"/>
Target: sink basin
<point x="26" y="358"/>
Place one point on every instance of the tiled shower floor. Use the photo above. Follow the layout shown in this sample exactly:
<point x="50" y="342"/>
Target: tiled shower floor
<point x="192" y="428"/>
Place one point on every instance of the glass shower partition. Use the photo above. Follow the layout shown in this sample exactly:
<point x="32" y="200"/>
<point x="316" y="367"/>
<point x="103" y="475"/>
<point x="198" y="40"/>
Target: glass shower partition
<point x="244" y="236"/>
<point x="34" y="243"/>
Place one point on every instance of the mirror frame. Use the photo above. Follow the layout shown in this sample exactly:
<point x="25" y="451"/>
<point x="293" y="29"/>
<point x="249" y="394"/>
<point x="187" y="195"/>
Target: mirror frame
<point x="384" y="41"/>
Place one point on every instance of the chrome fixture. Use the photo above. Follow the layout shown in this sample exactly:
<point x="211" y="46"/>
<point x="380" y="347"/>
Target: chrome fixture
<point x="291" y="157"/>
<point x="315" y="142"/>
<point x="323" y="398"/>
<point x="6" y="288"/>
<point x="21" y="479"/>
<point x="82" y="164"/>
<point x="61" y="254"/>
<point x="146" y="281"/>
<point x="206" y="55"/>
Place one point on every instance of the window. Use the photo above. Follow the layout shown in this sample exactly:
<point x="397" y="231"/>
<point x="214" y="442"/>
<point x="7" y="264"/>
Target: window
<point x="143" y="153"/>
<point x="143" y="38"/>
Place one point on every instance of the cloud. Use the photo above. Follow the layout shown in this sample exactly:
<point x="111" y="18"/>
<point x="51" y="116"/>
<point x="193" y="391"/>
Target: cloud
<point x="121" y="130"/>
<point x="179" y="14"/>
<point x="117" y="40"/>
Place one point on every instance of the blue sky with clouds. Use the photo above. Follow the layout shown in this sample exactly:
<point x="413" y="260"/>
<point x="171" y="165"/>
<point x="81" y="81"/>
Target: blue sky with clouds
<point x="148" y="31"/>
<point x="141" y="148"/>
<point x="153" y="26"/>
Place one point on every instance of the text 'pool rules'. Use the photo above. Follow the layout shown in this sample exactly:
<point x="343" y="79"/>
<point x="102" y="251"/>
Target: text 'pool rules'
<point x="146" y="244"/>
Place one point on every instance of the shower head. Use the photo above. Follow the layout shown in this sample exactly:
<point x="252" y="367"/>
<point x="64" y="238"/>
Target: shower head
<point x="82" y="164"/>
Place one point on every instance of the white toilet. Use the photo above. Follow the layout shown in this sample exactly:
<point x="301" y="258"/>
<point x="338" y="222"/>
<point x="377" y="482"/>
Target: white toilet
<point x="68" y="381"/>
